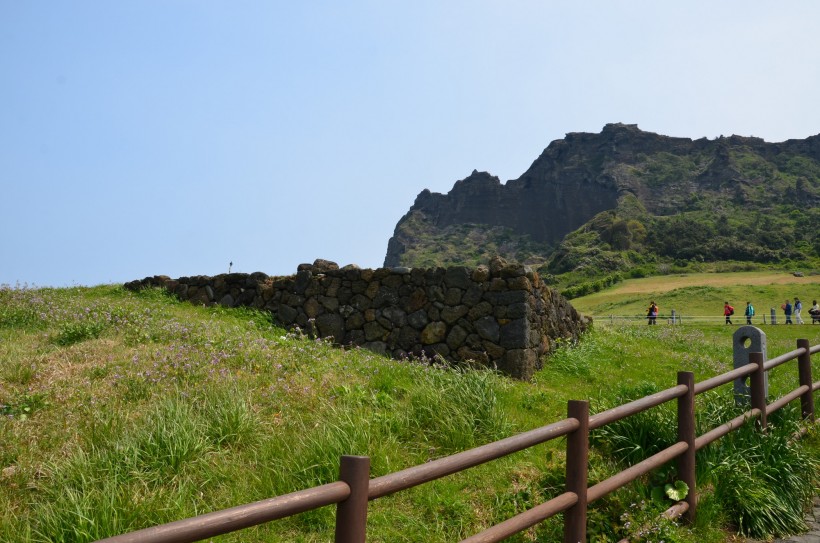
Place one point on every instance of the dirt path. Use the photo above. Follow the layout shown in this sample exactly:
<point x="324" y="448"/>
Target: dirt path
<point x="666" y="283"/>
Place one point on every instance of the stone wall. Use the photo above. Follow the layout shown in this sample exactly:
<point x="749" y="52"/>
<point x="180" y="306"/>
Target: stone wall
<point x="500" y="315"/>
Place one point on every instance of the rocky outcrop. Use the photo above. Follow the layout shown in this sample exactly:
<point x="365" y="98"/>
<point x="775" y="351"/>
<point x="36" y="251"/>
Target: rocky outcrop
<point x="584" y="174"/>
<point x="544" y="212"/>
<point x="498" y="315"/>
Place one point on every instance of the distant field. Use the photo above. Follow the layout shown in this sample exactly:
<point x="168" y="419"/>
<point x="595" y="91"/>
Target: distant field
<point x="703" y="294"/>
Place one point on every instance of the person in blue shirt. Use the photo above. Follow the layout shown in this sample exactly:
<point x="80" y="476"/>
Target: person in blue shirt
<point x="750" y="312"/>
<point x="787" y="310"/>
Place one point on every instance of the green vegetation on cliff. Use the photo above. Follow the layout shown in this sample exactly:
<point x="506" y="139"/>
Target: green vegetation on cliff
<point x="468" y="245"/>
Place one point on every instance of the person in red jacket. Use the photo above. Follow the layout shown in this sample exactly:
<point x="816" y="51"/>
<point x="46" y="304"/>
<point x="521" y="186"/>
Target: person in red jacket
<point x="728" y="311"/>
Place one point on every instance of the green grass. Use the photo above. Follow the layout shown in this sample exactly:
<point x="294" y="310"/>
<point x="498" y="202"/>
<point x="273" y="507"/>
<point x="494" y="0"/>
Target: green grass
<point x="150" y="410"/>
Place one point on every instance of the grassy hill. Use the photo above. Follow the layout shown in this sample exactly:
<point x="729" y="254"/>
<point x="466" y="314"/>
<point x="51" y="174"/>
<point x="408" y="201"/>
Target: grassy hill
<point x="123" y="410"/>
<point x="703" y="294"/>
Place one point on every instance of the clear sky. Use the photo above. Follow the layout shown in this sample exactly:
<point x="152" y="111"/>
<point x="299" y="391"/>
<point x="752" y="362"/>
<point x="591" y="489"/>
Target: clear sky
<point x="175" y="136"/>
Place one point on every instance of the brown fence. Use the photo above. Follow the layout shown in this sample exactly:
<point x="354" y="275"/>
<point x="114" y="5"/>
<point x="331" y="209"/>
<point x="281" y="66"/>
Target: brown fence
<point x="355" y="488"/>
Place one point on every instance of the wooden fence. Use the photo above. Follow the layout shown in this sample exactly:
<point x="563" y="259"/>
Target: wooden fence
<point x="354" y="489"/>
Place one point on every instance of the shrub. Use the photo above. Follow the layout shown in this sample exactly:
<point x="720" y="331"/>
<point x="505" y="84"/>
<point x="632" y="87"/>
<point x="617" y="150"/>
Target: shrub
<point x="639" y="436"/>
<point x="76" y="332"/>
<point x="582" y="289"/>
<point x="761" y="480"/>
<point x="764" y="479"/>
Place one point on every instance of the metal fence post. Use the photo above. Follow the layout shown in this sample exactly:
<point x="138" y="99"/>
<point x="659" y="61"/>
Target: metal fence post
<point x="351" y="514"/>
<point x="575" y="518"/>
<point x="804" y="368"/>
<point x="758" y="390"/>
<point x="686" y="433"/>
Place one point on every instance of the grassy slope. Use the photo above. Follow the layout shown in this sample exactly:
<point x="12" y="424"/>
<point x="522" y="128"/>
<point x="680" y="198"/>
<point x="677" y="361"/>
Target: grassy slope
<point x="127" y="410"/>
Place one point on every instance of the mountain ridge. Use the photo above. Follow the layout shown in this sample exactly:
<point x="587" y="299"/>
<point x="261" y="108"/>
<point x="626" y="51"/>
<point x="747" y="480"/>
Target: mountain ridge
<point x="608" y="201"/>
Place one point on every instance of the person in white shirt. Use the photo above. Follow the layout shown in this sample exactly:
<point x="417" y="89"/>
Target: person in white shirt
<point x="798" y="308"/>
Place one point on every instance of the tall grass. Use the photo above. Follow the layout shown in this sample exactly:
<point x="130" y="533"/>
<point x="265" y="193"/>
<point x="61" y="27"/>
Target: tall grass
<point x="638" y="436"/>
<point x="134" y="474"/>
<point x="764" y="481"/>
<point x="760" y="482"/>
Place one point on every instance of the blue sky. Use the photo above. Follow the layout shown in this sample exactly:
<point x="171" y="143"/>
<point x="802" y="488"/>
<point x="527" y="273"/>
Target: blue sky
<point x="173" y="137"/>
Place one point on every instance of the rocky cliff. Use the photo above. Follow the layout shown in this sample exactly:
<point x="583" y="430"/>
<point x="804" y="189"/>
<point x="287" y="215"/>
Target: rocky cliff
<point x="621" y="186"/>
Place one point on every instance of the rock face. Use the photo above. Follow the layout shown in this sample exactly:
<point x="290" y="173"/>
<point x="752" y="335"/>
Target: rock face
<point x="500" y="315"/>
<point x="544" y="212"/>
<point x="584" y="174"/>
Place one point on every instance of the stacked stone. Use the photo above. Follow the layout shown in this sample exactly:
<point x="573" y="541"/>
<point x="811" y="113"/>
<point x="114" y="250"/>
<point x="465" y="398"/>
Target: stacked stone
<point x="500" y="315"/>
<point x="230" y="290"/>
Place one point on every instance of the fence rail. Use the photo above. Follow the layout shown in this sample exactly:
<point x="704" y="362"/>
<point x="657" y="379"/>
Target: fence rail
<point x="355" y="489"/>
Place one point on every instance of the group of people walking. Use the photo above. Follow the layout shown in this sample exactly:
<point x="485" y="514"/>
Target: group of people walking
<point x="796" y="310"/>
<point x="789" y="310"/>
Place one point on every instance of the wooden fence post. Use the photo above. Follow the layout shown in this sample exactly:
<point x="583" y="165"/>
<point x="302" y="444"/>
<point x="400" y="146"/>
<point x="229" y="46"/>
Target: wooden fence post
<point x="351" y="514"/>
<point x="575" y="518"/>
<point x="804" y="368"/>
<point x="686" y="433"/>
<point x="758" y="388"/>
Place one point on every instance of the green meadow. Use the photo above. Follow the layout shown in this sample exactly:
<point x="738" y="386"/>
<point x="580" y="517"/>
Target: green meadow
<point x="124" y="410"/>
<point x="701" y="295"/>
